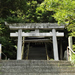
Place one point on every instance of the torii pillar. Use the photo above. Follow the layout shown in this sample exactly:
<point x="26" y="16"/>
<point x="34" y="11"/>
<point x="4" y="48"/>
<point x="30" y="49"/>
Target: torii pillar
<point x="55" y="46"/>
<point x="19" y="45"/>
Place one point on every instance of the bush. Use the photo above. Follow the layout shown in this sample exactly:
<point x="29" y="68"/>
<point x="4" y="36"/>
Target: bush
<point x="73" y="59"/>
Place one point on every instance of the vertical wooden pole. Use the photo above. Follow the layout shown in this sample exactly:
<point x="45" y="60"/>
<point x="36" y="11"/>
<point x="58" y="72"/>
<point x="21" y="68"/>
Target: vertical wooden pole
<point x="23" y="48"/>
<point x="55" y="47"/>
<point x="27" y="51"/>
<point x="46" y="51"/>
<point x="19" y="45"/>
<point x="61" y="50"/>
<point x="0" y="51"/>
<point x="70" y="45"/>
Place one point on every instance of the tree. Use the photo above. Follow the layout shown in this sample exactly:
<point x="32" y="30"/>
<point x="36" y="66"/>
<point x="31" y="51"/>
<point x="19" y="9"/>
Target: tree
<point x="64" y="12"/>
<point x="7" y="7"/>
<point x="15" y="11"/>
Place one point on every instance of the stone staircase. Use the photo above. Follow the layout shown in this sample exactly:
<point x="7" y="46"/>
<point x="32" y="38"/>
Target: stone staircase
<point x="36" y="67"/>
<point x="37" y="53"/>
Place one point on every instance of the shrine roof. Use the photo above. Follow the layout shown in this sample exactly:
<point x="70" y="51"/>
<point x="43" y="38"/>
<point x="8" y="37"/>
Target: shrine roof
<point x="30" y="26"/>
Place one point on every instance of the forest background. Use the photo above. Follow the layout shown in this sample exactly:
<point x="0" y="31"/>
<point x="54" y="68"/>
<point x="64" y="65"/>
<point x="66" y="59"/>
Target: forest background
<point x="34" y="11"/>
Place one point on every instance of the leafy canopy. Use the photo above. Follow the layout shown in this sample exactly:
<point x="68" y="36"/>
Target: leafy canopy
<point x="18" y="11"/>
<point x="64" y="12"/>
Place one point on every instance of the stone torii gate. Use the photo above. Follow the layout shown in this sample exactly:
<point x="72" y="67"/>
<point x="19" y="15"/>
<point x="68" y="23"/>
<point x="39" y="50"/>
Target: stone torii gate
<point x="36" y="33"/>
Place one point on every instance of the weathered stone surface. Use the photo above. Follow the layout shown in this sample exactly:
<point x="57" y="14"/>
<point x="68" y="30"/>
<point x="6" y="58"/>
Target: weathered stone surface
<point x="55" y="47"/>
<point x="36" y="67"/>
<point x="16" y="26"/>
<point x="50" y="34"/>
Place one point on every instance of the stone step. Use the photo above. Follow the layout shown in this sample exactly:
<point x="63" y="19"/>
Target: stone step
<point x="41" y="52"/>
<point x="38" y="74"/>
<point x="38" y="67"/>
<point x="35" y="64"/>
<point x="33" y="61"/>
<point x="37" y="70"/>
<point x="37" y="48"/>
<point x="38" y="54"/>
<point x="37" y="58"/>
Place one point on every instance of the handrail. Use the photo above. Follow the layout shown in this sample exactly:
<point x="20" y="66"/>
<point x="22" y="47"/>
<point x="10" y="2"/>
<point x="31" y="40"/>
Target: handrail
<point x="69" y="56"/>
<point x="5" y="55"/>
<point x="70" y="49"/>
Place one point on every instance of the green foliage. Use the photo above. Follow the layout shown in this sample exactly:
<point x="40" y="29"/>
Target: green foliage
<point x="6" y="41"/>
<point x="73" y="56"/>
<point x="73" y="59"/>
<point x="19" y="11"/>
<point x="64" y="12"/>
<point x="44" y="15"/>
<point x="7" y="5"/>
<point x="73" y="47"/>
<point x="32" y="11"/>
<point x="15" y="19"/>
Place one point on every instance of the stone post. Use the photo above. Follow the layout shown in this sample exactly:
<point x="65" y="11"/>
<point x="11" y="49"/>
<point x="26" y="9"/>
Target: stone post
<point x="55" y="47"/>
<point x="19" y="45"/>
<point x="0" y="51"/>
<point x="70" y="45"/>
